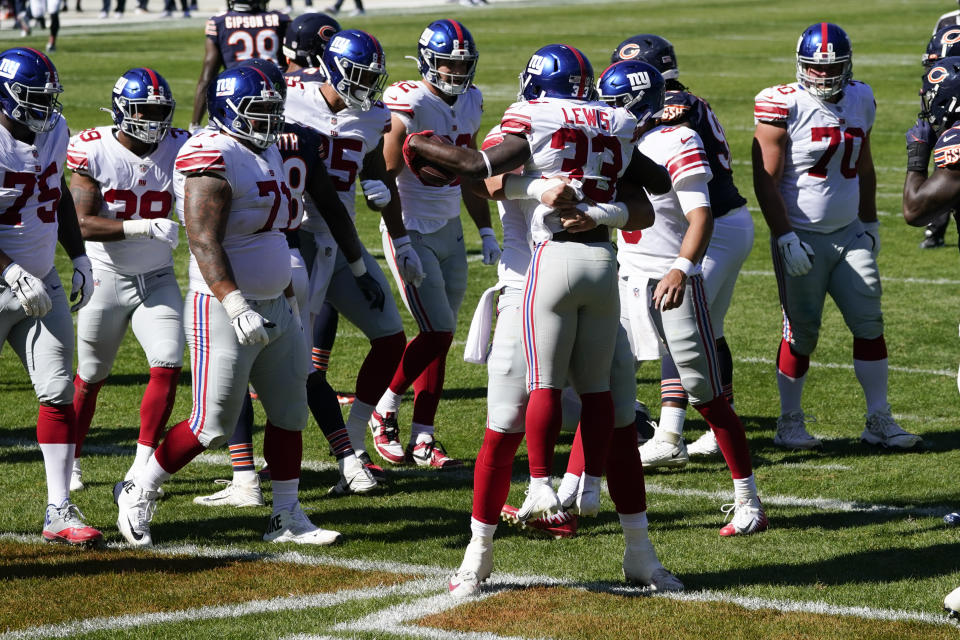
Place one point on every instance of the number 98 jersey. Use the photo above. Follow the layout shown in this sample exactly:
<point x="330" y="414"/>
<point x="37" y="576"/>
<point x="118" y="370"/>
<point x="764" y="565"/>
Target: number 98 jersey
<point x="241" y="36"/>
<point x="30" y="195"/>
<point x="131" y="188"/>
<point x="301" y="149"/>
<point x="820" y="185"/>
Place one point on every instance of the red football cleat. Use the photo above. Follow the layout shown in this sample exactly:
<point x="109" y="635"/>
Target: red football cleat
<point x="560" y="525"/>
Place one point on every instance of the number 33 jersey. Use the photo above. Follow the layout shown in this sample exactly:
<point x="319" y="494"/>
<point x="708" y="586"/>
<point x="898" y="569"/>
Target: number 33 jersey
<point x="131" y="188"/>
<point x="30" y="195"/>
<point x="821" y="184"/>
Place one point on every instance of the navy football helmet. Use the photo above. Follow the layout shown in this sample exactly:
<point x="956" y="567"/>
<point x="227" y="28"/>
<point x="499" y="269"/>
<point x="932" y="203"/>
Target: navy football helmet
<point x="447" y="42"/>
<point x="29" y="86"/>
<point x="272" y="71"/>
<point x="557" y="71"/>
<point x="244" y="102"/>
<point x="651" y="49"/>
<point x="356" y="67"/>
<point x="940" y="95"/>
<point x="247" y="6"/>
<point x="634" y="85"/>
<point x="820" y="45"/>
<point x="943" y="44"/>
<point x="135" y="90"/>
<point x="307" y="37"/>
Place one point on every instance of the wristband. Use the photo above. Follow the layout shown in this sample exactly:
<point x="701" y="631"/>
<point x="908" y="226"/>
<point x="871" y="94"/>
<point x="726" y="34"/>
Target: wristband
<point x="486" y="161"/>
<point x="487" y="231"/>
<point x="683" y="265"/>
<point x="234" y="304"/>
<point x="136" y="228"/>
<point x="614" y="214"/>
<point x="357" y="267"/>
<point x="401" y="242"/>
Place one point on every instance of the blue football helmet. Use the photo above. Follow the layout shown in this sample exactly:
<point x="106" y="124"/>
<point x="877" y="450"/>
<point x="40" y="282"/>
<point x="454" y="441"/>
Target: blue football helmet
<point x="272" y="71"/>
<point x="634" y="85"/>
<point x="307" y="37"/>
<point x="447" y="42"/>
<point x="244" y="102"/>
<point x="557" y="71"/>
<point x="29" y="86"/>
<point x="940" y="95"/>
<point x="356" y="67"/>
<point x="943" y="44"/>
<point x="651" y="49"/>
<point x="138" y="88"/>
<point x="819" y="45"/>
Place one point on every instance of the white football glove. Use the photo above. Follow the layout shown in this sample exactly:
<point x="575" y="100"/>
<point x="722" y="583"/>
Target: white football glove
<point x="408" y="262"/>
<point x="162" y="229"/>
<point x="376" y="192"/>
<point x="194" y="127"/>
<point x="872" y="229"/>
<point x="29" y="290"/>
<point x="491" y="249"/>
<point x="797" y="255"/>
<point x="81" y="286"/>
<point x="250" y="326"/>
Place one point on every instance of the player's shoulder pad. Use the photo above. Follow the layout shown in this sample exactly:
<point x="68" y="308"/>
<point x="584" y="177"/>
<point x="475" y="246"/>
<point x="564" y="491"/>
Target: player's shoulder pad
<point x="677" y="106"/>
<point x="82" y="147"/>
<point x="203" y="153"/>
<point x="946" y="152"/>
<point x="493" y="138"/>
<point x="518" y="119"/>
<point x="404" y="96"/>
<point x="773" y="104"/>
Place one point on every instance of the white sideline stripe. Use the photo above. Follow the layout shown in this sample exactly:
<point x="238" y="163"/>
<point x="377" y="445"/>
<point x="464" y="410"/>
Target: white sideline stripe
<point x="950" y="373"/>
<point x="946" y="281"/>
<point x="817" y="467"/>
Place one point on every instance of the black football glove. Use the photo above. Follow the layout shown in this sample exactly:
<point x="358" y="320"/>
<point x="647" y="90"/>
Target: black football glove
<point x="371" y="290"/>
<point x="919" y="140"/>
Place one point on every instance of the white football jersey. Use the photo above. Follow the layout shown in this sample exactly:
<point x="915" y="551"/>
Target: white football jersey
<point x="820" y="185"/>
<point x="517" y="243"/>
<point x="349" y="134"/>
<point x="259" y="213"/>
<point x="132" y="188"/>
<point x="651" y="252"/>
<point x="29" y="196"/>
<point x="427" y="208"/>
<point x="589" y="141"/>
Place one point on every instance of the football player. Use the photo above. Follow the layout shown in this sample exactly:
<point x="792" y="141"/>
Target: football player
<point x="240" y="318"/>
<point x="444" y="101"/>
<point x="816" y="184"/>
<point x="39" y="10"/>
<point x="949" y="19"/>
<point x="729" y="247"/>
<point x="303" y="46"/>
<point x="34" y="313"/>
<point x="246" y="30"/>
<point x="122" y="185"/>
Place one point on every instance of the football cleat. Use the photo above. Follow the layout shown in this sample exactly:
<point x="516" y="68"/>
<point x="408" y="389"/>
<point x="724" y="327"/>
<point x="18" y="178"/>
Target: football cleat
<point x="646" y="426"/>
<point x="660" y="453"/>
<point x="386" y="437"/>
<point x="705" y="445"/>
<point x="76" y="477"/>
<point x="792" y="432"/>
<point x="376" y="470"/>
<point x="293" y="525"/>
<point x="586" y="501"/>
<point x="475" y="568"/>
<point x="430" y="453"/>
<point x="65" y="525"/>
<point x="234" y="494"/>
<point x="345" y="399"/>
<point x="748" y="517"/>
<point x="883" y="430"/>
<point x="354" y="478"/>
<point x="951" y="604"/>
<point x="135" y="509"/>
<point x="640" y="568"/>
<point x="561" y="525"/>
<point x="541" y="500"/>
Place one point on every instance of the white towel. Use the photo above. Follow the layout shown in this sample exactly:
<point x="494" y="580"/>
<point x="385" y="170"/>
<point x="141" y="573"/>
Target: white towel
<point x="478" y="338"/>
<point x="646" y="340"/>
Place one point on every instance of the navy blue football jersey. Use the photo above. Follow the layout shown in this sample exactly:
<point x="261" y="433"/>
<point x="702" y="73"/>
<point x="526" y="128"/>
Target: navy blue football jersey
<point x="946" y="153"/>
<point x="684" y="107"/>
<point x="241" y="36"/>
<point x="309" y="74"/>
<point x="303" y="150"/>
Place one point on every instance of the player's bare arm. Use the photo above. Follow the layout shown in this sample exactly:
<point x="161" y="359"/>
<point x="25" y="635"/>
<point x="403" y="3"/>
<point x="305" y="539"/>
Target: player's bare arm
<point x="648" y="174"/>
<point x="374" y="168"/>
<point x="212" y="61"/>
<point x="68" y="229"/>
<point x="926" y="198"/>
<point x="868" y="182"/>
<point x="769" y="153"/>
<point x="504" y="157"/>
<point x="669" y="291"/>
<point x="334" y="213"/>
<point x="88" y="200"/>
<point x="392" y="149"/>
<point x="477" y="207"/>
<point x="206" y="207"/>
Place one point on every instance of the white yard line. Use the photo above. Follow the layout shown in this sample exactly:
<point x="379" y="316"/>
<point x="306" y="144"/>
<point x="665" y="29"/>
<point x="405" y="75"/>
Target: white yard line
<point x="884" y="279"/>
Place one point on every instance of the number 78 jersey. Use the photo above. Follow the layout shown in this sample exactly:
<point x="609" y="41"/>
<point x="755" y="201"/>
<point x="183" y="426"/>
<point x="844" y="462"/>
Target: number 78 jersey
<point x="821" y="183"/>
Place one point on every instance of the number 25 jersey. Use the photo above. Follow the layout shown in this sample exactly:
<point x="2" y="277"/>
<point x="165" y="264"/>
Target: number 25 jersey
<point x="821" y="184"/>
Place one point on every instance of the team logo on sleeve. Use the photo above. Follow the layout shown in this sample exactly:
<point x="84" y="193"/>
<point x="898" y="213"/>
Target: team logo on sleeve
<point x="226" y="86"/>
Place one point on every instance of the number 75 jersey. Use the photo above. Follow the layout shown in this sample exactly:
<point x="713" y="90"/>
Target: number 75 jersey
<point x="821" y="183"/>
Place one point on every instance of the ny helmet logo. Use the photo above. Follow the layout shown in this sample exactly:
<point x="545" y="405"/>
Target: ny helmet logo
<point x="535" y="66"/>
<point x="226" y="86"/>
<point x="339" y="44"/>
<point x="639" y="80"/>
<point x="9" y="68"/>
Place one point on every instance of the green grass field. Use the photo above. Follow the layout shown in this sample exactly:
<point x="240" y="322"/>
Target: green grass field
<point x="856" y="545"/>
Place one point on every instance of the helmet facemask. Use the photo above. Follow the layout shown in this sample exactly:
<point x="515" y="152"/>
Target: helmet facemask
<point x="37" y="108"/>
<point x="147" y="119"/>
<point x="461" y="64"/>
<point x="259" y="119"/>
<point x="361" y="85"/>
<point x="838" y="72"/>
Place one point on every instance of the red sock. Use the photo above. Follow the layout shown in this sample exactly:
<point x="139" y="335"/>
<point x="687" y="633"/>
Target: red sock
<point x="157" y="403"/>
<point x="56" y="424"/>
<point x="491" y="474"/>
<point x="283" y="451"/>
<point x="575" y="464"/>
<point x="178" y="448"/>
<point x="596" y="423"/>
<point x="730" y="435"/>
<point x="625" y="472"/>
<point x="790" y="363"/>
<point x="427" y="389"/>
<point x="84" y="404"/>
<point x="418" y="355"/>
<point x="378" y="367"/>
<point x="870" y="350"/>
<point x="543" y="422"/>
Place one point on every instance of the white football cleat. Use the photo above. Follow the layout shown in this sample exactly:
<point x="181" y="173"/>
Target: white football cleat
<point x="883" y="430"/>
<point x="792" y="432"/>
<point x="660" y="453"/>
<point x="705" y="445"/>
<point x="748" y="517"/>
<point x="135" y="509"/>
<point x="234" y="494"/>
<point x="641" y="566"/>
<point x="76" y="477"/>
<point x="354" y="477"/>
<point x="293" y="525"/>
<point x="952" y="604"/>
<point x="586" y="501"/>
<point x="541" y="500"/>
<point x="476" y="567"/>
<point x="65" y="525"/>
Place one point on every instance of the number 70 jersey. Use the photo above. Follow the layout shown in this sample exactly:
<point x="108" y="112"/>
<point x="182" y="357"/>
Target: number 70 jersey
<point x="821" y="184"/>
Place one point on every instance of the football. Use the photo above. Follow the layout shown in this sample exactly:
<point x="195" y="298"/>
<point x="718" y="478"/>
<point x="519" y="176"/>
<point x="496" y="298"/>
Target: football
<point x="428" y="172"/>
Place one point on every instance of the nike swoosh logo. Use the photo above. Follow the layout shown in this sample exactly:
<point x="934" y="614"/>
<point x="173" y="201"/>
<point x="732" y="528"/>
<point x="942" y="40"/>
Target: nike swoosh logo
<point x="686" y="140"/>
<point x="54" y="286"/>
<point x="133" y="532"/>
<point x="860" y="235"/>
<point x="460" y="238"/>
